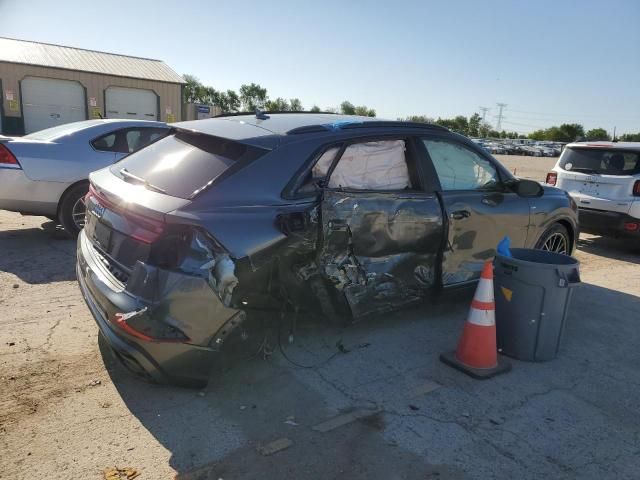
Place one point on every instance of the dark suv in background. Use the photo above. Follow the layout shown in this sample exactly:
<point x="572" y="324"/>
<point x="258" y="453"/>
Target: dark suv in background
<point x="349" y="216"/>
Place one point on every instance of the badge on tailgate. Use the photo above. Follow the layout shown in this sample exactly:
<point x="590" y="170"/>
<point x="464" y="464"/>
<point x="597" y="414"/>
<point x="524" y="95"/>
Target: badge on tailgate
<point x="96" y="209"/>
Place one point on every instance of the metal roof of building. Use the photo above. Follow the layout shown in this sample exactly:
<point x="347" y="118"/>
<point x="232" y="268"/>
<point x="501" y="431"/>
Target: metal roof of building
<point x="70" y="58"/>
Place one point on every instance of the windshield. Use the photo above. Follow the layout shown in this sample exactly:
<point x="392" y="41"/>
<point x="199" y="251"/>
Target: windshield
<point x="182" y="164"/>
<point x="53" y="133"/>
<point x="600" y="160"/>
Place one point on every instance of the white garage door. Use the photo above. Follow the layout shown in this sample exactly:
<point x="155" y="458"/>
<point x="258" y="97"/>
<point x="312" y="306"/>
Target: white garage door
<point x="47" y="102"/>
<point x="131" y="103"/>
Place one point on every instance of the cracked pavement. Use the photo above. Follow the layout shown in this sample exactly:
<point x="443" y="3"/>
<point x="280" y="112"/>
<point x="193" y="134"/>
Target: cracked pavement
<point x="574" y="417"/>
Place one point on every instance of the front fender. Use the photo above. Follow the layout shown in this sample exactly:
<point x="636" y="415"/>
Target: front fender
<point x="555" y="206"/>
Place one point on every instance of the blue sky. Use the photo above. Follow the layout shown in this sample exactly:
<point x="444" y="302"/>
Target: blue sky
<point x="549" y="61"/>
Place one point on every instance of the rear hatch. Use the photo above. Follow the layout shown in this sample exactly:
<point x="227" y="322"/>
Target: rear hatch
<point x="600" y="177"/>
<point x="129" y="204"/>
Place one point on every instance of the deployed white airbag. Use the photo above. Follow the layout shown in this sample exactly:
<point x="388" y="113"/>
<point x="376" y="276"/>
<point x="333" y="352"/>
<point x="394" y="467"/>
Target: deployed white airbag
<point x="367" y="166"/>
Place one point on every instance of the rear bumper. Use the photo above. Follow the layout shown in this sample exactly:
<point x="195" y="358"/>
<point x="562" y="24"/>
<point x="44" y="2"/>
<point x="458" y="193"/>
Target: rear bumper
<point x="18" y="193"/>
<point x="611" y="224"/>
<point x="177" y="363"/>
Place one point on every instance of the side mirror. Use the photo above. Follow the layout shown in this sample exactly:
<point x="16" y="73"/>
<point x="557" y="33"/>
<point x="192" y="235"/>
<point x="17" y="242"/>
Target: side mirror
<point x="527" y="188"/>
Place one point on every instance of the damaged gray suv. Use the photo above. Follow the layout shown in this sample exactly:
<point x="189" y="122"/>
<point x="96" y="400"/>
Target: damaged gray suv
<point x="349" y="216"/>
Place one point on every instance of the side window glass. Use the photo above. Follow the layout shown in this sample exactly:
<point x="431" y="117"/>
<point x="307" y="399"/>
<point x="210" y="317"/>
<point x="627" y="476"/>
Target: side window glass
<point x="380" y="165"/>
<point x="140" y="138"/>
<point x="459" y="168"/>
<point x="134" y="140"/>
<point x="105" y="143"/>
<point x="318" y="173"/>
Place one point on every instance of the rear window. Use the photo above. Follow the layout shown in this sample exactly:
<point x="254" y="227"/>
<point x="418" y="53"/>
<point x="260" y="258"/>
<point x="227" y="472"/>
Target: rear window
<point x="600" y="161"/>
<point x="183" y="163"/>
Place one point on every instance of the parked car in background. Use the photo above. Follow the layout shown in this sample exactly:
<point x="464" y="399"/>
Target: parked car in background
<point x="604" y="179"/>
<point x="45" y="173"/>
<point x="349" y="216"/>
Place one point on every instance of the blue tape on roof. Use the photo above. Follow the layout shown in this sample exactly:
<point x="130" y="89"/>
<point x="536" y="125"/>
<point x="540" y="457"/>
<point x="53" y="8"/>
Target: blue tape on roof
<point x="341" y="123"/>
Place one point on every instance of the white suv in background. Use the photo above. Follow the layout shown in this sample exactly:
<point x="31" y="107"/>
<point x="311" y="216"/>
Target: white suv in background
<point x="604" y="180"/>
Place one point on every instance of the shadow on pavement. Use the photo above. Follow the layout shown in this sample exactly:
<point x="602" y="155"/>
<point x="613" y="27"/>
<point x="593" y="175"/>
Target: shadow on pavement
<point x="524" y="424"/>
<point x="617" y="249"/>
<point x="38" y="255"/>
<point x="215" y="433"/>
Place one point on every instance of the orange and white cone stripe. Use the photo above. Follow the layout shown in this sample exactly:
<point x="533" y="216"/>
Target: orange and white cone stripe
<point x="483" y="307"/>
<point x="477" y="353"/>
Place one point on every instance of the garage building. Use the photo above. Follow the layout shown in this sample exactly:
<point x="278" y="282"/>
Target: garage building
<point x="45" y="85"/>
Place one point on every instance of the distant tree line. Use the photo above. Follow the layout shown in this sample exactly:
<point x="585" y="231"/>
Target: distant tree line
<point x="252" y="96"/>
<point x="569" y="132"/>
<point x="630" y="137"/>
<point x="472" y="126"/>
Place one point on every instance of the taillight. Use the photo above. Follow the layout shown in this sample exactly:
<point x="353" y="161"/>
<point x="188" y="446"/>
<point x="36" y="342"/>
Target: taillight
<point x="144" y="229"/>
<point x="8" y="159"/>
<point x="155" y="331"/>
<point x="552" y="178"/>
<point x="631" y="226"/>
<point x="636" y="189"/>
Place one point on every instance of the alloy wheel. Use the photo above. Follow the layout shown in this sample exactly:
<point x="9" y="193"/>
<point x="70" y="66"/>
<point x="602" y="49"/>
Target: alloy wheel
<point x="78" y="213"/>
<point x="556" y="243"/>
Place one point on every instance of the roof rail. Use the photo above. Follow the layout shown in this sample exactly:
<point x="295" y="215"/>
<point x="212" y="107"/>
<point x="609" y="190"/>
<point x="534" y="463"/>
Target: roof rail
<point x="364" y="124"/>
<point x="268" y="112"/>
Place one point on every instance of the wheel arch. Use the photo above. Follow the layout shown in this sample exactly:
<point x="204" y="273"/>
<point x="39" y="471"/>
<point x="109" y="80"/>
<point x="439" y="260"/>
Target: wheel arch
<point x="84" y="181"/>
<point x="572" y="233"/>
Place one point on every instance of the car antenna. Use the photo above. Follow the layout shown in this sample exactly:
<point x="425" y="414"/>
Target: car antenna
<point x="260" y="115"/>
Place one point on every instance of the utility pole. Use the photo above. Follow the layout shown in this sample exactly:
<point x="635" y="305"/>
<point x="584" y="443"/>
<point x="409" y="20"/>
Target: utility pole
<point x="484" y="111"/>
<point x="499" y="116"/>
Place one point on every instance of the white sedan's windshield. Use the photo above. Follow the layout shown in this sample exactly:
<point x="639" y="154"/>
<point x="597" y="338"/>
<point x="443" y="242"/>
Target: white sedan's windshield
<point x="61" y="130"/>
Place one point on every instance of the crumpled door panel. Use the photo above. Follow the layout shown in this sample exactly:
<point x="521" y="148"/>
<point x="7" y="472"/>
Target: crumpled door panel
<point x="380" y="249"/>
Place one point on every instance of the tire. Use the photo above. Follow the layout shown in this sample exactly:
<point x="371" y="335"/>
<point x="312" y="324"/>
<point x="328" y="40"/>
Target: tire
<point x="72" y="205"/>
<point x="555" y="239"/>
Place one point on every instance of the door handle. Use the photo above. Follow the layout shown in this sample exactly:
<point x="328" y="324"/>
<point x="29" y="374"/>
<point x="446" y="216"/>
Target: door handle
<point x="488" y="201"/>
<point x="460" y="214"/>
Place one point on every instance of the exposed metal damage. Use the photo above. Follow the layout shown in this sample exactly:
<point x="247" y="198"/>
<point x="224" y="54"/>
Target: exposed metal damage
<point x="379" y="250"/>
<point x="194" y="300"/>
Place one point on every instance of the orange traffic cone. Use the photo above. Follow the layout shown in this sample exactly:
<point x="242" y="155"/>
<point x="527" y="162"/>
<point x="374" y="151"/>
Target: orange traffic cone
<point x="477" y="354"/>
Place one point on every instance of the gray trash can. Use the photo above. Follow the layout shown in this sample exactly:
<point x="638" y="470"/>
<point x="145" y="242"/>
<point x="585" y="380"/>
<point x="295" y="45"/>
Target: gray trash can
<point x="532" y="292"/>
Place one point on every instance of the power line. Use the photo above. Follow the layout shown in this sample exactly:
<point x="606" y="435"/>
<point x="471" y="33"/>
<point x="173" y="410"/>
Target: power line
<point x="484" y="111"/>
<point x="500" y="116"/>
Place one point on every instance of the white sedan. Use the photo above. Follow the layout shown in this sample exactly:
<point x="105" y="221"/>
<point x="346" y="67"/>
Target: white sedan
<point x="45" y="173"/>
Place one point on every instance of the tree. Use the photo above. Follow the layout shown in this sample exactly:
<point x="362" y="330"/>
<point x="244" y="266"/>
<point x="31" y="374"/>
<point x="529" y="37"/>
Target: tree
<point x="347" y="108"/>
<point x="232" y="101"/>
<point x="567" y="132"/>
<point x="315" y="108"/>
<point x="538" y="135"/>
<point x="571" y="131"/>
<point x="208" y="96"/>
<point x="295" y="105"/>
<point x="597" y="134"/>
<point x="418" y="119"/>
<point x="474" y="125"/>
<point x="277" y="105"/>
<point x="484" y="129"/>
<point x="630" y="137"/>
<point x="458" y="124"/>
<point x="253" y="96"/>
<point x="365" y="111"/>
<point x="191" y="90"/>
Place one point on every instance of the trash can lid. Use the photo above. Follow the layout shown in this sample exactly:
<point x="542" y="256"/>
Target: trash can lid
<point x="539" y="258"/>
